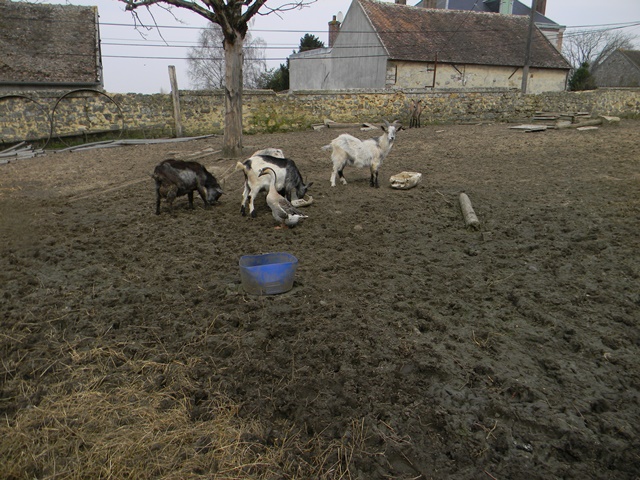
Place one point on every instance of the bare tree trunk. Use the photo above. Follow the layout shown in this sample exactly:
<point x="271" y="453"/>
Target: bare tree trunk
<point x="232" y="146"/>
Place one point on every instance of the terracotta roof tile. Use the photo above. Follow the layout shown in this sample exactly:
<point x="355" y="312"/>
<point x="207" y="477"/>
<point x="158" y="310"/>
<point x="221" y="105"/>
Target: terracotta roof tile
<point x="418" y="34"/>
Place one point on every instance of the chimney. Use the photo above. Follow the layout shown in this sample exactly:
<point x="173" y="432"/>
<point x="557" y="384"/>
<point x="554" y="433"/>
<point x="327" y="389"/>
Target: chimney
<point x="541" y="7"/>
<point x="334" y="29"/>
<point x="401" y="2"/>
<point x="506" y="7"/>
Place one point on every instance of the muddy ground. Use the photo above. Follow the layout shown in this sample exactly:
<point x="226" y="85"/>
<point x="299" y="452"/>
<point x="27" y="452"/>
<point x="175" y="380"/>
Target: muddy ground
<point x="410" y="346"/>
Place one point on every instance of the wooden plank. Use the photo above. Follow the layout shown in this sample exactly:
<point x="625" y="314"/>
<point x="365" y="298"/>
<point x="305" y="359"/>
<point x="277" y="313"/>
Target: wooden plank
<point x="15" y="147"/>
<point x="343" y="125"/>
<point x="120" y="143"/>
<point x="530" y="128"/>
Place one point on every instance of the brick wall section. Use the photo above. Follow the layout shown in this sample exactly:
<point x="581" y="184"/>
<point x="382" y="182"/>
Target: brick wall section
<point x="265" y="111"/>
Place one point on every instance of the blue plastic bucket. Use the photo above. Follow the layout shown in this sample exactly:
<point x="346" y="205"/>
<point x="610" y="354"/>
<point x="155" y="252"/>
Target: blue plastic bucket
<point x="268" y="274"/>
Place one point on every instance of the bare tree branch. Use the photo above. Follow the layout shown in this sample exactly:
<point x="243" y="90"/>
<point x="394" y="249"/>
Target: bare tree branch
<point x="206" y="60"/>
<point x="233" y="21"/>
<point x="594" y="46"/>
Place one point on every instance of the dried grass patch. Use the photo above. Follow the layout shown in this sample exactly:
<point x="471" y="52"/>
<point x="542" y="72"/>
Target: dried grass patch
<point x="142" y="423"/>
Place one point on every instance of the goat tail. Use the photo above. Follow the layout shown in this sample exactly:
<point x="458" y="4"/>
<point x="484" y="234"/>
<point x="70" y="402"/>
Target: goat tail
<point x="240" y="166"/>
<point x="327" y="147"/>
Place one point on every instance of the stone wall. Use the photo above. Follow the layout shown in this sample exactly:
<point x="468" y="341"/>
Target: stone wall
<point x="34" y="115"/>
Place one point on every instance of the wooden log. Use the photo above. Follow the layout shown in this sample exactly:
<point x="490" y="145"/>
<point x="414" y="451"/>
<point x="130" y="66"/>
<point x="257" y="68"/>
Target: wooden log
<point x="586" y="123"/>
<point x="470" y="217"/>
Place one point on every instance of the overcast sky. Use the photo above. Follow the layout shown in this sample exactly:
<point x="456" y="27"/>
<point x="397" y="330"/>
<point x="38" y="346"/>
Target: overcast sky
<point x="127" y="54"/>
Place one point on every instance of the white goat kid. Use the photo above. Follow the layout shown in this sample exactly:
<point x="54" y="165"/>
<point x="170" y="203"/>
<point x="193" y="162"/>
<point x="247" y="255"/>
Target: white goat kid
<point x="349" y="150"/>
<point x="415" y="110"/>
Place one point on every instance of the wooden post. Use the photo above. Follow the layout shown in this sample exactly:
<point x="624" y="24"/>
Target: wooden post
<point x="175" y="96"/>
<point x="527" y="54"/>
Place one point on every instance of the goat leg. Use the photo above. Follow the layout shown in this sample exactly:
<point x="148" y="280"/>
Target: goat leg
<point x="373" y="181"/>
<point x="341" y="175"/>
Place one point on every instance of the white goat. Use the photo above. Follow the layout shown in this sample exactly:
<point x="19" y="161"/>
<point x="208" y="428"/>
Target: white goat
<point x="349" y="150"/>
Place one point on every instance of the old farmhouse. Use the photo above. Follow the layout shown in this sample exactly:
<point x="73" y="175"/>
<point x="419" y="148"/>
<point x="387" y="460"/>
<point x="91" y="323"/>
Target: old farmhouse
<point x="384" y="45"/>
<point x="620" y="69"/>
<point x="49" y="47"/>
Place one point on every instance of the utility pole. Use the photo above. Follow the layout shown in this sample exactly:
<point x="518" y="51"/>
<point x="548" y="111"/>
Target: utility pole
<point x="527" y="54"/>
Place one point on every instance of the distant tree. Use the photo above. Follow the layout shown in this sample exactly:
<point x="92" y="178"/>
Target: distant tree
<point x="206" y="60"/>
<point x="593" y="47"/>
<point x="277" y="79"/>
<point x="582" y="79"/>
<point x="310" y="42"/>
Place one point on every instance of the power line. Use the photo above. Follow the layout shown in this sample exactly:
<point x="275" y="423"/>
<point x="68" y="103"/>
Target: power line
<point x="160" y="45"/>
<point x="579" y="33"/>
<point x="109" y="45"/>
<point x="620" y="25"/>
<point x="189" y="44"/>
<point x="268" y="30"/>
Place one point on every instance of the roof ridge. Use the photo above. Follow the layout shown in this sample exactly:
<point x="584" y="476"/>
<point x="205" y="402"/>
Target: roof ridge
<point x="633" y="56"/>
